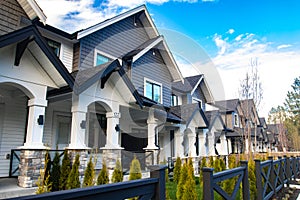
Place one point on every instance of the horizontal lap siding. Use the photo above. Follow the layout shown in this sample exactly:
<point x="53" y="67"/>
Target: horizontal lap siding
<point x="115" y="40"/>
<point x="200" y="95"/>
<point x="13" y="130"/>
<point x="10" y="13"/>
<point x="152" y="67"/>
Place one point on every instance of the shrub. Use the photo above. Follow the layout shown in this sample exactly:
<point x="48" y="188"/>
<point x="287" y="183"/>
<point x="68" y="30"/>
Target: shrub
<point x="117" y="175"/>
<point x="43" y="183"/>
<point x="89" y="174"/>
<point x="73" y="178"/>
<point x="103" y="175"/>
<point x="55" y="173"/>
<point x="65" y="171"/>
<point x="177" y="169"/>
<point x="47" y="165"/>
<point x="211" y="161"/>
<point x="252" y="179"/>
<point x="182" y="180"/>
<point x="135" y="171"/>
<point x="189" y="188"/>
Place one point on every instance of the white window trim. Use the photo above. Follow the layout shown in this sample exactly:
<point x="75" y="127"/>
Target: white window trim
<point x="234" y="124"/>
<point x="198" y="100"/>
<point x="155" y="82"/>
<point x="103" y="54"/>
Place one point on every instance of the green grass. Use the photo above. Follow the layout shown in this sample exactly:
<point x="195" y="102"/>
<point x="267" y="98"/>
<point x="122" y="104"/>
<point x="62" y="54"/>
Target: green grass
<point x="172" y="188"/>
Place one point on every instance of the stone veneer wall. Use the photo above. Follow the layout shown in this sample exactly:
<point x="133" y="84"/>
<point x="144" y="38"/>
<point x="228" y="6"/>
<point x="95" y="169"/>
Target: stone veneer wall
<point x="32" y="163"/>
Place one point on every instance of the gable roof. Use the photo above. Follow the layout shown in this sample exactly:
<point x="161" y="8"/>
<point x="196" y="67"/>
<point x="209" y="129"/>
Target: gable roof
<point x="188" y="111"/>
<point x="190" y="84"/>
<point x="33" y="10"/>
<point x="212" y="117"/>
<point x="228" y="105"/>
<point x="101" y="25"/>
<point x="24" y="37"/>
<point x="162" y="46"/>
<point x="87" y="77"/>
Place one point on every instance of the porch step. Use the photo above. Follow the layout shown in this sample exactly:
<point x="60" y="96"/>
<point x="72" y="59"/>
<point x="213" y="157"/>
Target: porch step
<point x="10" y="189"/>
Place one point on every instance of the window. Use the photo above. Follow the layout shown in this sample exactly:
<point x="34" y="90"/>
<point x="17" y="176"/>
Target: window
<point x="236" y="120"/>
<point x="174" y="100"/>
<point x="100" y="59"/>
<point x="153" y="91"/>
<point x="55" y="46"/>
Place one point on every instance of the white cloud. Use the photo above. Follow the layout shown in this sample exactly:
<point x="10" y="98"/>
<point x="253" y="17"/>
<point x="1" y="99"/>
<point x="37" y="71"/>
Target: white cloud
<point x="72" y="16"/>
<point x="220" y="43"/>
<point x="230" y="31"/>
<point x="276" y="68"/>
<point x="283" y="46"/>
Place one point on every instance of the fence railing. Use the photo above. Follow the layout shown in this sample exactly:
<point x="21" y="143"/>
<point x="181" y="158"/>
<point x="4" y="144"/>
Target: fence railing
<point x="211" y="182"/>
<point x="150" y="188"/>
<point x="271" y="175"/>
<point x="15" y="160"/>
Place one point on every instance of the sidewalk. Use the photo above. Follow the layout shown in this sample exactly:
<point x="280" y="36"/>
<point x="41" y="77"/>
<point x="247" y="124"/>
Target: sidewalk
<point x="9" y="189"/>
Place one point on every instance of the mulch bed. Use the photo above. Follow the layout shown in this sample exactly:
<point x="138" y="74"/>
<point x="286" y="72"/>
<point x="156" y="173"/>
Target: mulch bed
<point x="288" y="193"/>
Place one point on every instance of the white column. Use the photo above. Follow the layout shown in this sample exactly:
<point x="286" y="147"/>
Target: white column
<point x="192" y="140"/>
<point x="201" y="136"/>
<point x="224" y="149"/>
<point x="211" y="145"/>
<point x="229" y="145"/>
<point x="78" y="128"/>
<point x="112" y="135"/>
<point x="179" y="151"/>
<point x="34" y="137"/>
<point x="246" y="146"/>
<point x="152" y="124"/>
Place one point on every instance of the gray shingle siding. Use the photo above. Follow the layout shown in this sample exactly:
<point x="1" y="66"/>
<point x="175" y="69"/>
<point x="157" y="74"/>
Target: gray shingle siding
<point x="10" y="14"/>
<point x="116" y="40"/>
<point x="152" y="67"/>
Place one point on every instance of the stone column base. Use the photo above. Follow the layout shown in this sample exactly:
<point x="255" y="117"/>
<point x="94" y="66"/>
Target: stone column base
<point x="151" y="157"/>
<point x="31" y="164"/>
<point x="83" y="160"/>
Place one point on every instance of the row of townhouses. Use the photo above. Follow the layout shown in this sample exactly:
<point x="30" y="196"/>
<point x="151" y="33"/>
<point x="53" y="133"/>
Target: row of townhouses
<point x="114" y="88"/>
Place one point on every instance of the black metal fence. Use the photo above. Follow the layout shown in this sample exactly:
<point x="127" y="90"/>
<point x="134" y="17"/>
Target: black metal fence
<point x="150" y="188"/>
<point x="271" y="176"/>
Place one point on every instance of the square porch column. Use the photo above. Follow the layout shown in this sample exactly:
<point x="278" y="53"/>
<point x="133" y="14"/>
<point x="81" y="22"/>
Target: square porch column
<point x="191" y="141"/>
<point x="78" y="128"/>
<point x="179" y="149"/>
<point x="35" y="125"/>
<point x="201" y="138"/>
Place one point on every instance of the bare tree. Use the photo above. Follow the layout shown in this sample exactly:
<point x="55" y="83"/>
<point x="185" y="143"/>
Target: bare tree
<point x="251" y="88"/>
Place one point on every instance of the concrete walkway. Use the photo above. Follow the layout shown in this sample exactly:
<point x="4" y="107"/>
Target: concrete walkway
<point x="9" y="189"/>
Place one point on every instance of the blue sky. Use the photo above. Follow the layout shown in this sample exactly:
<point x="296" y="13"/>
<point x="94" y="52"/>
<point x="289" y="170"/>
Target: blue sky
<point x="217" y="37"/>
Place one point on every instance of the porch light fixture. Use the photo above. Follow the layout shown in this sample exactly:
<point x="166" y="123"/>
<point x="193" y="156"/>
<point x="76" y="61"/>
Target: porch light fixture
<point x="117" y="128"/>
<point x="40" y="120"/>
<point x="83" y="124"/>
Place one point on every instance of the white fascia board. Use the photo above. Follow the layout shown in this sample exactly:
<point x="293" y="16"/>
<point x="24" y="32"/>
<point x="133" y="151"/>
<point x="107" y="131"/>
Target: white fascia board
<point x="173" y="61"/>
<point x="151" y="21"/>
<point x="115" y="19"/>
<point x="153" y="44"/>
<point x="38" y="11"/>
<point x="199" y="81"/>
<point x="210" y="95"/>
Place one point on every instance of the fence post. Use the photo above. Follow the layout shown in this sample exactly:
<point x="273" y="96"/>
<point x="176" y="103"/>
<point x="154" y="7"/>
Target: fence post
<point x="158" y="171"/>
<point x="245" y="181"/>
<point x="272" y="175"/>
<point x="259" y="185"/>
<point x="208" y="190"/>
<point x="281" y="175"/>
<point x="294" y="167"/>
<point x="288" y="166"/>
